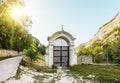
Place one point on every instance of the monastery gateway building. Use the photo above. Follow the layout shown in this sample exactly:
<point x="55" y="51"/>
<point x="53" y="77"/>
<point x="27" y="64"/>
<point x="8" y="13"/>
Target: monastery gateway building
<point x="60" y="50"/>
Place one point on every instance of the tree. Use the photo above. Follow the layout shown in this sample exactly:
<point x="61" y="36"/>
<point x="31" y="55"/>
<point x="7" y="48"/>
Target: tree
<point x="13" y="34"/>
<point x="115" y="53"/>
<point x="107" y="51"/>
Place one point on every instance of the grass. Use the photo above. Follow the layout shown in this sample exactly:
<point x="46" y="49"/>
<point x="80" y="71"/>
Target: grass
<point x="38" y="68"/>
<point x="18" y="73"/>
<point x="45" y="69"/>
<point x="104" y="74"/>
<point x="39" y="78"/>
<point x="23" y="63"/>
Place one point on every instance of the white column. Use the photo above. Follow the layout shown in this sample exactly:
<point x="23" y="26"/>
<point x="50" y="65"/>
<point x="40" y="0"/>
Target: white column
<point x="47" y="56"/>
<point x="50" y="62"/>
<point x="73" y="57"/>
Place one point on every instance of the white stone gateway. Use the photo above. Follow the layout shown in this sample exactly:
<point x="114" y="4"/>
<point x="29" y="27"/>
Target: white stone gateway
<point x="60" y="50"/>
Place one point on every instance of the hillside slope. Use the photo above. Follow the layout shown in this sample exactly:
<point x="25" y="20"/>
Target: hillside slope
<point x="108" y="32"/>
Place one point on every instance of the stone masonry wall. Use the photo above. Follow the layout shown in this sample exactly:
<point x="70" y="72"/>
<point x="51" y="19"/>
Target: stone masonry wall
<point x="85" y="59"/>
<point x="5" y="53"/>
<point x="38" y="63"/>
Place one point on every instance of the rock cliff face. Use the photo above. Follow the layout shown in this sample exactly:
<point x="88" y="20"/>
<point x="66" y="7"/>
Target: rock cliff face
<point x="106" y="33"/>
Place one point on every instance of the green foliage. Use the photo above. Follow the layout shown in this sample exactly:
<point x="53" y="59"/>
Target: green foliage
<point x="13" y="34"/>
<point x="84" y="51"/>
<point x="32" y="52"/>
<point x="42" y="49"/>
<point x="23" y="63"/>
<point x="18" y="73"/>
<point x="114" y="30"/>
<point x="94" y="49"/>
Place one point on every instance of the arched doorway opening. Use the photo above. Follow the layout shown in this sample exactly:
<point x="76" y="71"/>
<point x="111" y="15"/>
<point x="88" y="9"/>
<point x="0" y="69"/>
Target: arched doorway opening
<point x="60" y="52"/>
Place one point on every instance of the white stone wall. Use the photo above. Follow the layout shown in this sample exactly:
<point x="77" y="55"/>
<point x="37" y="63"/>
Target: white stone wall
<point x="5" y="53"/>
<point x="72" y="56"/>
<point x="85" y="59"/>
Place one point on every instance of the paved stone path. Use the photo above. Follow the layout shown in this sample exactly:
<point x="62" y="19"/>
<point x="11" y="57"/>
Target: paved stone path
<point x="9" y="67"/>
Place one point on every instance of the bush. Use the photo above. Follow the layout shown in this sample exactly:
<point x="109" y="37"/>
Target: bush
<point x="42" y="49"/>
<point x="100" y="59"/>
<point x="32" y="52"/>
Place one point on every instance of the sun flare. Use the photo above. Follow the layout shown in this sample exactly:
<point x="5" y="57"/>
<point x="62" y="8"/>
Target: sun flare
<point x="17" y="12"/>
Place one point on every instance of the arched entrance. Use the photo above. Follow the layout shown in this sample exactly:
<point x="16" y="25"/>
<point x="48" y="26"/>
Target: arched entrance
<point x="60" y="50"/>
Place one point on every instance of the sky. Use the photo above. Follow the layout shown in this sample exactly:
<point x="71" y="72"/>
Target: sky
<point x="81" y="18"/>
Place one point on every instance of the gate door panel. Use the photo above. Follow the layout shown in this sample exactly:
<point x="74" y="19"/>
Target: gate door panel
<point x="61" y="56"/>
